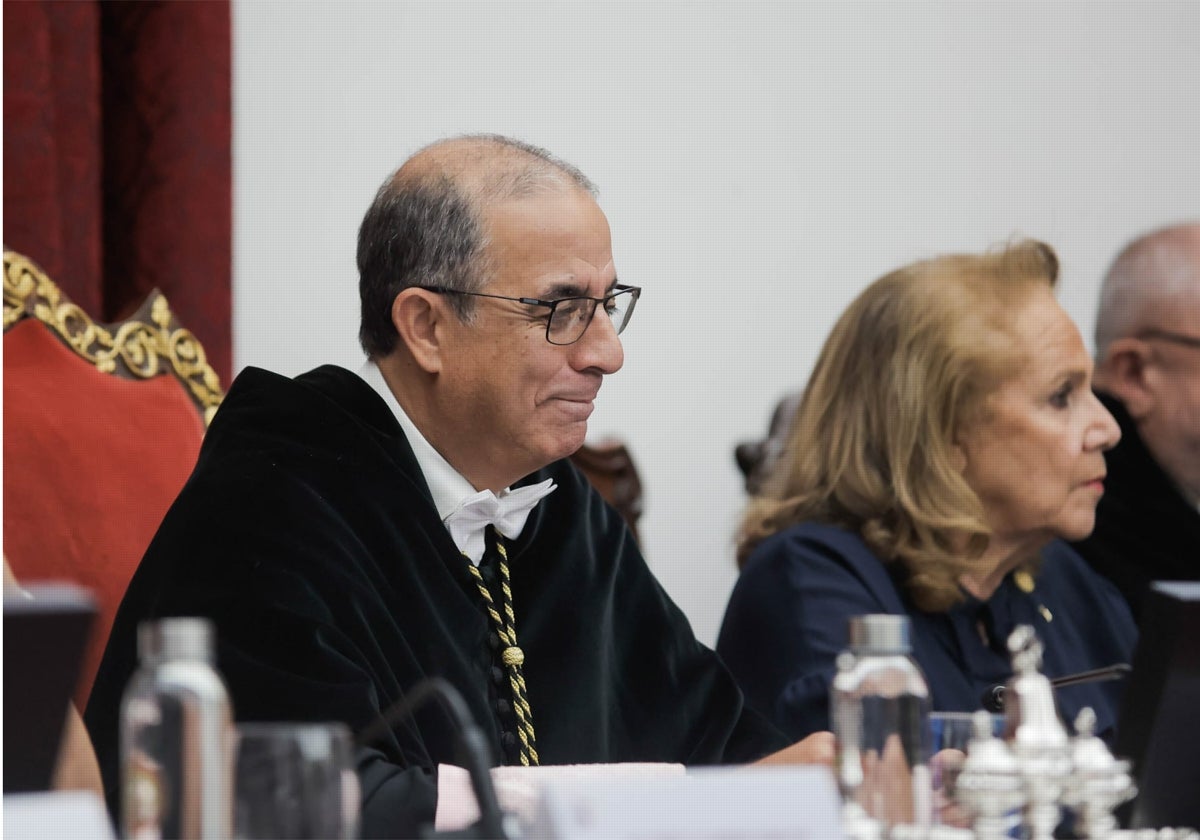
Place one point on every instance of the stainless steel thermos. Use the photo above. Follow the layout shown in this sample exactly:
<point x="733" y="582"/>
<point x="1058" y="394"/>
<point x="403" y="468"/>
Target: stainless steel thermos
<point x="177" y="737"/>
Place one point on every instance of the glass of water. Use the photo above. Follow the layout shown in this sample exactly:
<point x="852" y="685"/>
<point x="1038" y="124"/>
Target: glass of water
<point x="949" y="735"/>
<point x="295" y="780"/>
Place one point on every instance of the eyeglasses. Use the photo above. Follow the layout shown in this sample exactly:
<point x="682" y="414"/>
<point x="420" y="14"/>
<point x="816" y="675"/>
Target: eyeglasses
<point x="570" y="316"/>
<point x="1173" y="337"/>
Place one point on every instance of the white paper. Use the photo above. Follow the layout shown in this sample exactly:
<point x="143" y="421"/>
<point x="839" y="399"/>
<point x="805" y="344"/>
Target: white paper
<point x="36" y="816"/>
<point x="732" y="803"/>
<point x="518" y="788"/>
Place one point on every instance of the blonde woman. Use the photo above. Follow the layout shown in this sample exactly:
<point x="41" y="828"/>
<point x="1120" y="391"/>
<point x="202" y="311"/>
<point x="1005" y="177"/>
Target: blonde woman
<point x="947" y="442"/>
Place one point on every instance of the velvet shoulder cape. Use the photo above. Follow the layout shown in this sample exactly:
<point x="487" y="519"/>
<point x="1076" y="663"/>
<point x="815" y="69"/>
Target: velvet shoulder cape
<point x="307" y="534"/>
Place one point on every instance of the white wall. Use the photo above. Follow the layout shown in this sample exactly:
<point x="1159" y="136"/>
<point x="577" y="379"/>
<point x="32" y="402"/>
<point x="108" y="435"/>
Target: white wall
<point x="759" y="163"/>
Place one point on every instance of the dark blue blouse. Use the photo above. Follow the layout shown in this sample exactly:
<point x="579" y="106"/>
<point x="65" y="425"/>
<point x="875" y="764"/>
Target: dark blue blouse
<point x="788" y="619"/>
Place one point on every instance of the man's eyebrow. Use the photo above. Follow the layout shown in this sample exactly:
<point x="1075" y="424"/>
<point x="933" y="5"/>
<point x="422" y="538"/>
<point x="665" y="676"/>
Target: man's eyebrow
<point x="568" y="289"/>
<point x="565" y="289"/>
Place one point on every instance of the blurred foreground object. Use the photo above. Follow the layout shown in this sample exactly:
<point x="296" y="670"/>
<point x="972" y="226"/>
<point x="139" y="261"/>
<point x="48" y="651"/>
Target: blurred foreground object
<point x="177" y="736"/>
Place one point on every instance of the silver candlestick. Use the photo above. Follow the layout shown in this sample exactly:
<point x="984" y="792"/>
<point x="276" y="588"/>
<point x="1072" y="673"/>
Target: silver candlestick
<point x="1099" y="782"/>
<point x="991" y="785"/>
<point x="1039" y="740"/>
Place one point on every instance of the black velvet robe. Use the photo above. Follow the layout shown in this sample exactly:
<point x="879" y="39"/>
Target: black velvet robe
<point x="308" y="535"/>
<point x="1145" y="529"/>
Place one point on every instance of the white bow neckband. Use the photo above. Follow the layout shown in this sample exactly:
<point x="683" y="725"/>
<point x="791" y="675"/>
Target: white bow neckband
<point x="507" y="513"/>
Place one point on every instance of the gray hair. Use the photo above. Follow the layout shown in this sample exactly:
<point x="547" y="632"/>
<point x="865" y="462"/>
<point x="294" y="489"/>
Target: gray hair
<point x="425" y="227"/>
<point x="1149" y="274"/>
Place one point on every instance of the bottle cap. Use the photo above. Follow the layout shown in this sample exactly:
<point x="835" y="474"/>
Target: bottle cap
<point x="175" y="638"/>
<point x="880" y="634"/>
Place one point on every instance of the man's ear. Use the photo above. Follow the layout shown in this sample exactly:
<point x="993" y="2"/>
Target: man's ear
<point x="419" y="317"/>
<point x="1127" y="373"/>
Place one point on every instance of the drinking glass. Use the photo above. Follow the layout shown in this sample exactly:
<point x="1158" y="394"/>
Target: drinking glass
<point x="295" y="780"/>
<point x="954" y="730"/>
<point x="949" y="735"/>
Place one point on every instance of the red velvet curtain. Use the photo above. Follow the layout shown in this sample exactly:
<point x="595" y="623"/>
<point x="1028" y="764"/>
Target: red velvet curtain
<point x="117" y="162"/>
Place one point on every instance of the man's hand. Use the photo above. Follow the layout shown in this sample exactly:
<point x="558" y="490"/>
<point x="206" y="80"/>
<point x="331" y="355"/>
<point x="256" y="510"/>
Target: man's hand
<point x="817" y="748"/>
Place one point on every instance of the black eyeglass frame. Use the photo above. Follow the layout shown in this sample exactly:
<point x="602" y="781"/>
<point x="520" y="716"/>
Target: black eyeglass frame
<point x="618" y="290"/>
<point x="1173" y="337"/>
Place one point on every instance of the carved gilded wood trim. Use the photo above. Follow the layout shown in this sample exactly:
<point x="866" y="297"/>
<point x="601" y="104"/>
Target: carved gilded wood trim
<point x="138" y="348"/>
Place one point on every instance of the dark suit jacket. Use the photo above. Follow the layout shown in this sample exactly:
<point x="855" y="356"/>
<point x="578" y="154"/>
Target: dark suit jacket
<point x="1145" y="529"/>
<point x="788" y="619"/>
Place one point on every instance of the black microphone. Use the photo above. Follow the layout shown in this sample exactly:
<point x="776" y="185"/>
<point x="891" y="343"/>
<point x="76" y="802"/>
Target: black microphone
<point x="993" y="698"/>
<point x="474" y="753"/>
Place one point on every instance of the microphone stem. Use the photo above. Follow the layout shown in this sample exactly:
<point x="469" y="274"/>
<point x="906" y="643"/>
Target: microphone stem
<point x="473" y="749"/>
<point x="1112" y="672"/>
<point x="993" y="698"/>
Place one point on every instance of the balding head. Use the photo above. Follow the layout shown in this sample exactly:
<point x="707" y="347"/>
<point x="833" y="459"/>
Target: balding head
<point x="425" y="225"/>
<point x="489" y="168"/>
<point x="1148" y="347"/>
<point x="1152" y="277"/>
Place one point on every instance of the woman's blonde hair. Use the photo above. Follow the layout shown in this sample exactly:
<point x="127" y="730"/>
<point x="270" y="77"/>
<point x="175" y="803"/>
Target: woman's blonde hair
<point x="907" y="367"/>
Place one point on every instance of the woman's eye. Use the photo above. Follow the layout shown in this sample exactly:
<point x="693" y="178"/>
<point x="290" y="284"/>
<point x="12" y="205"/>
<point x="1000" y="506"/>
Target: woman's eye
<point x="1062" y="397"/>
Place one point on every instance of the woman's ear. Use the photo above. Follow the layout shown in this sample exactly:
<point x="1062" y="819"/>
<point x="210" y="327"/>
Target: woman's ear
<point x="418" y="316"/>
<point x="958" y="456"/>
<point x="958" y="446"/>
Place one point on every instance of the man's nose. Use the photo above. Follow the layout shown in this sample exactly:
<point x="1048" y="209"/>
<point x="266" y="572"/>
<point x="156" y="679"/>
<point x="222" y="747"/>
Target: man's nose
<point x="600" y="347"/>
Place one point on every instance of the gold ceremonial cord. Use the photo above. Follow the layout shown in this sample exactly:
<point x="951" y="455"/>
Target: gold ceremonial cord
<point x="512" y="655"/>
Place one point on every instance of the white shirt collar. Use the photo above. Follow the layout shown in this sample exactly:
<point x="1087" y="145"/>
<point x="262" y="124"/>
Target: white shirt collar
<point x="450" y="489"/>
<point x="448" y="486"/>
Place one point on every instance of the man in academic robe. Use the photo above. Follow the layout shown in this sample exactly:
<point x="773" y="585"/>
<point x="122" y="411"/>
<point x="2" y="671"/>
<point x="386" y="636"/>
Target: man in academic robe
<point x="351" y="534"/>
<point x="1148" y="376"/>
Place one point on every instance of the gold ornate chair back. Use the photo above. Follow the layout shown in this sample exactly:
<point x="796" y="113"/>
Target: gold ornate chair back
<point x="102" y="426"/>
<point x="148" y="343"/>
